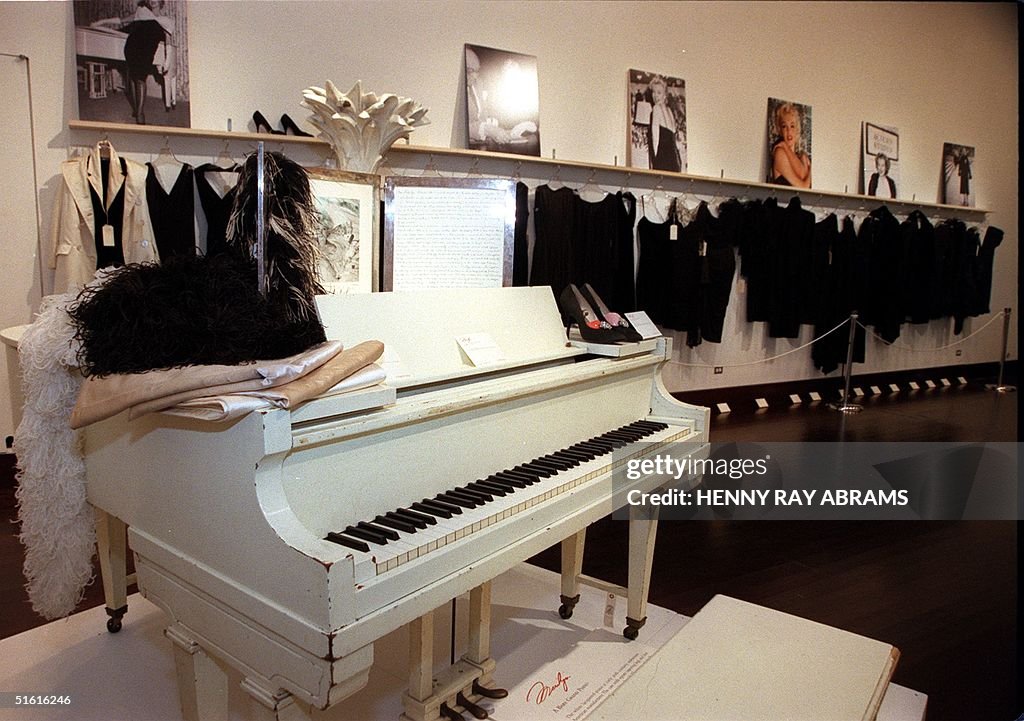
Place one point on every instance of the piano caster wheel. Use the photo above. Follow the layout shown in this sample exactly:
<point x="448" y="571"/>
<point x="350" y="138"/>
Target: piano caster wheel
<point x="568" y="605"/>
<point x="488" y="692"/>
<point x="116" y="614"/>
<point x="633" y="626"/>
<point x="479" y="711"/>
<point x="451" y="714"/>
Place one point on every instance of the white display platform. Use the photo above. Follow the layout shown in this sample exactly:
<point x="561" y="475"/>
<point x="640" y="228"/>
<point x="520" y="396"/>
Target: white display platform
<point x="554" y="669"/>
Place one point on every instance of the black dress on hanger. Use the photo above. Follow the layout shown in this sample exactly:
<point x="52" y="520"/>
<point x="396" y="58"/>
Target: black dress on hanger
<point x="846" y="289"/>
<point x="554" y="222"/>
<point x="654" y="277"/>
<point x="603" y="248"/>
<point x="521" y="247"/>
<point x="216" y="208"/>
<point x="172" y="213"/>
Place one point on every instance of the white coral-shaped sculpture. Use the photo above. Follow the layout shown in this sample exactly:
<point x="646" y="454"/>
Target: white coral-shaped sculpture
<point x="361" y="126"/>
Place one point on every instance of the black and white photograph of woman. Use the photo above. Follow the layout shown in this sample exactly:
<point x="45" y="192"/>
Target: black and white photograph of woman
<point x="881" y="155"/>
<point x="789" y="143"/>
<point x="958" y="174"/>
<point x="132" y="60"/>
<point x="502" y="101"/>
<point x="657" y="121"/>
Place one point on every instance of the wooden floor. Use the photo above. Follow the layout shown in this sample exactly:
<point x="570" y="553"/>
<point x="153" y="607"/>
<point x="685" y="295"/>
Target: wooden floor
<point x="944" y="593"/>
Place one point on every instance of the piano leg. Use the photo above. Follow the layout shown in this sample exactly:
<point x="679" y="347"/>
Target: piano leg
<point x="112" y="547"/>
<point x="643" y="528"/>
<point x="572" y="567"/>
<point x="202" y="684"/>
<point x="428" y="697"/>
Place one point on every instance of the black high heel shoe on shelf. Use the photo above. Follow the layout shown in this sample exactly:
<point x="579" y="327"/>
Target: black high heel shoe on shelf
<point x="592" y="329"/>
<point x="262" y="126"/>
<point x="289" y="124"/>
<point x="615" y="320"/>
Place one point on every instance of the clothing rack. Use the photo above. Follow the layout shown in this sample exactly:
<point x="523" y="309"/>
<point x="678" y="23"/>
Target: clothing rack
<point x="482" y="161"/>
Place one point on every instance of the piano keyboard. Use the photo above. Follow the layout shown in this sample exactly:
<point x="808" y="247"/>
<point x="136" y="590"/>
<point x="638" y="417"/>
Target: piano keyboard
<point x="396" y="537"/>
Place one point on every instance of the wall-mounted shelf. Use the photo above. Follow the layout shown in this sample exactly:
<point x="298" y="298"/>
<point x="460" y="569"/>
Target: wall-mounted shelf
<point x="813" y="196"/>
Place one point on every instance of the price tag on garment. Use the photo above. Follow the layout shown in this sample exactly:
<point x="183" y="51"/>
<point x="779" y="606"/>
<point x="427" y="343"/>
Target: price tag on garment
<point x="480" y="348"/>
<point x="673" y="232"/>
<point x="108" y="236"/>
<point x="643" y="325"/>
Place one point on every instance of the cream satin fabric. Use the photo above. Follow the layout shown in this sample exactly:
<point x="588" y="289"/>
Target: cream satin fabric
<point x="103" y="397"/>
<point x="286" y="395"/>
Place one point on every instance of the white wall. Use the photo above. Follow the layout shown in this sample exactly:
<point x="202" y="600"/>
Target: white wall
<point x="937" y="71"/>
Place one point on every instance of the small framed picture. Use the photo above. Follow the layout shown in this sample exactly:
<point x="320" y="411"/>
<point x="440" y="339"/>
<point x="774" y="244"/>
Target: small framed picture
<point x="657" y="121"/>
<point x="448" y="232"/>
<point x="958" y="174"/>
<point x="789" y="143"/>
<point x="348" y="205"/>
<point x="502" y="101"/>
<point x="881" y="160"/>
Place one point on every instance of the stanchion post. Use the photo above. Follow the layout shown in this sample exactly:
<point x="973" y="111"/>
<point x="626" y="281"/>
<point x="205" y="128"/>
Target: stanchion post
<point x="845" y="406"/>
<point x="999" y="387"/>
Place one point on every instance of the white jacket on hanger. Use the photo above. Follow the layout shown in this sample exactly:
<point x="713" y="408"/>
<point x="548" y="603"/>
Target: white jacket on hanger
<point x="73" y="254"/>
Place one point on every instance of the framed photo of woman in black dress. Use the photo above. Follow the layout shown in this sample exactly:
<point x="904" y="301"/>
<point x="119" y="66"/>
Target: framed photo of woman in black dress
<point x="657" y="121"/>
<point x="958" y="174"/>
<point x="881" y="160"/>
<point x="789" y="143"/>
<point x="132" y="61"/>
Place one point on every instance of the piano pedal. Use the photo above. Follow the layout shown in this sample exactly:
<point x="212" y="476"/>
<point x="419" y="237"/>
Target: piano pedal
<point x="568" y="604"/>
<point x="633" y="626"/>
<point x="488" y="692"/>
<point x="116" y="614"/>
<point x="479" y="711"/>
<point x="449" y="713"/>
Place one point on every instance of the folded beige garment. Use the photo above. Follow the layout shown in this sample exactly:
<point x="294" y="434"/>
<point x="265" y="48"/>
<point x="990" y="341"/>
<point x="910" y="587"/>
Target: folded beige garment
<point x="286" y="395"/>
<point x="104" y="397"/>
<point x="229" y="407"/>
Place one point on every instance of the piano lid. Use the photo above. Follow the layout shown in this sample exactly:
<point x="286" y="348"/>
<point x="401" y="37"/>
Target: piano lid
<point x="421" y="329"/>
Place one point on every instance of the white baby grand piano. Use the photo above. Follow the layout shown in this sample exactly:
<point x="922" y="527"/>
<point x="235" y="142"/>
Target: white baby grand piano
<point x="228" y="521"/>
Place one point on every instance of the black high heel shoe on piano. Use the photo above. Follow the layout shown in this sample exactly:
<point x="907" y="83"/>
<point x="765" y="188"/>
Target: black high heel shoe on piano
<point x="592" y="329"/>
<point x="615" y="320"/>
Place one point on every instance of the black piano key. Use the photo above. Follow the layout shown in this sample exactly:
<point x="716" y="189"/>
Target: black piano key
<point x="446" y="505"/>
<point x="371" y="536"/>
<point x="465" y="495"/>
<point x="509" y="480"/>
<point x="456" y="500"/>
<point x="580" y="455"/>
<point x="593" y="447"/>
<point x="547" y="463"/>
<point x="396" y="523"/>
<point x="343" y="540"/>
<point x="416" y="518"/>
<point x="563" y="463"/>
<point x="527" y="478"/>
<point x="434" y="511"/>
<point x="534" y="470"/>
<point x="493" y="488"/>
<point x="386" y="532"/>
<point x="481" y="496"/>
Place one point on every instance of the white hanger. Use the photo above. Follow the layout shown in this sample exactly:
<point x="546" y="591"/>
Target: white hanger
<point x="590" y="191"/>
